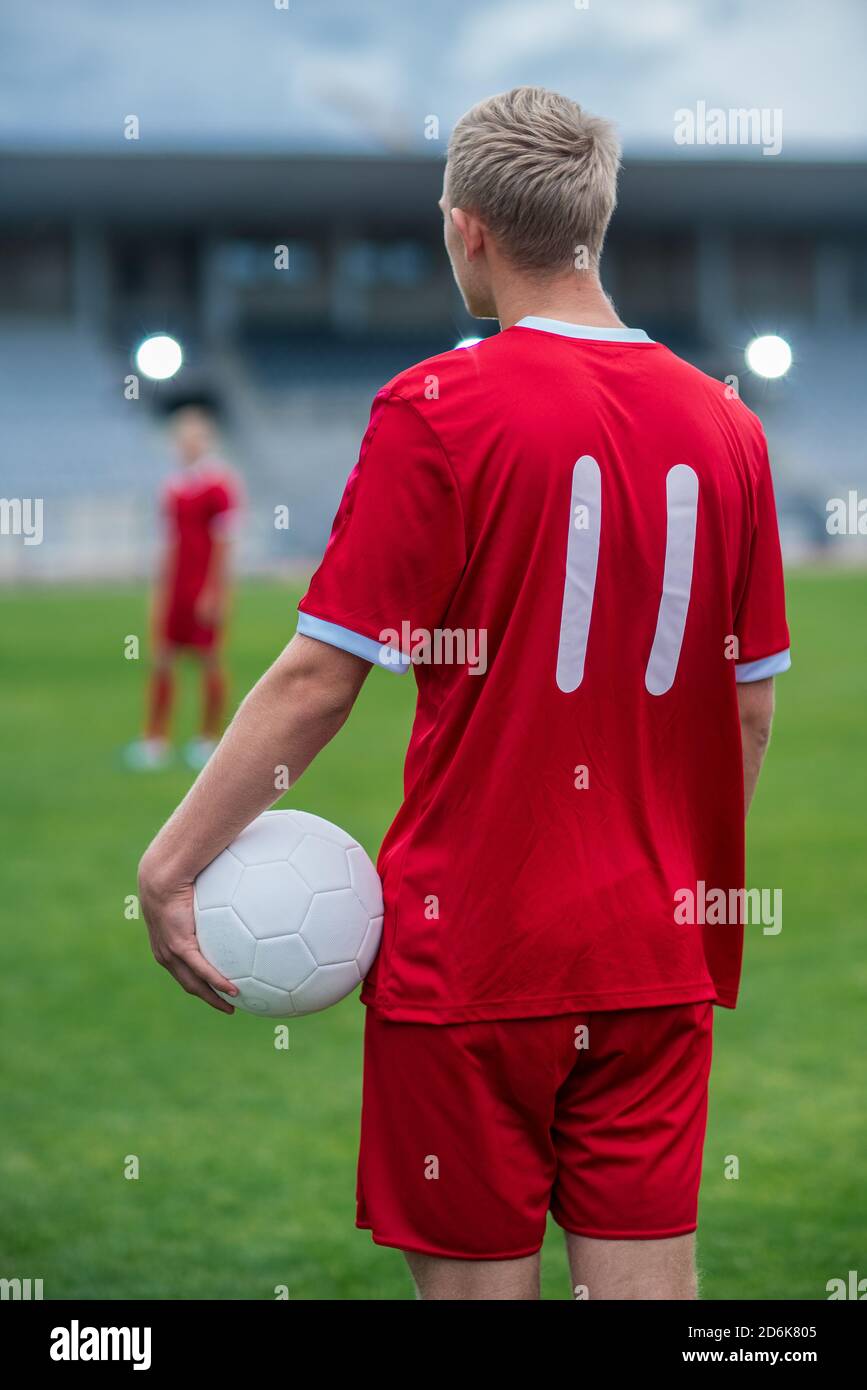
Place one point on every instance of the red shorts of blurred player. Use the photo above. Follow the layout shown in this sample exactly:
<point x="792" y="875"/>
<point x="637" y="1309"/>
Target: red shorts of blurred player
<point x="180" y="627"/>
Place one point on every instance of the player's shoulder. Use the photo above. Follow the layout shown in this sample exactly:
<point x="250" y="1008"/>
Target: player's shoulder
<point x="173" y="488"/>
<point x="722" y="398"/>
<point x="222" y="478"/>
<point x="423" y="381"/>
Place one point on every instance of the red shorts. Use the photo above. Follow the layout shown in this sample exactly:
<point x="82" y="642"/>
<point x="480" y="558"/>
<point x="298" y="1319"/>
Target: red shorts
<point x="181" y="628"/>
<point x="472" y="1132"/>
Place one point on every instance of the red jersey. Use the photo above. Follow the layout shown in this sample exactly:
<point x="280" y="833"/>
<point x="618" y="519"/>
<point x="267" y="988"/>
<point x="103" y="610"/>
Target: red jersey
<point x="569" y="535"/>
<point x="196" y="503"/>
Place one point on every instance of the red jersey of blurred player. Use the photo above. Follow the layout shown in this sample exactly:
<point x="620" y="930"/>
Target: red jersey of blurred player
<point x="199" y="506"/>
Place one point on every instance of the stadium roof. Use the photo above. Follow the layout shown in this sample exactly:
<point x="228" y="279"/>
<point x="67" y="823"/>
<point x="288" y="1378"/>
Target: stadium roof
<point x="396" y="193"/>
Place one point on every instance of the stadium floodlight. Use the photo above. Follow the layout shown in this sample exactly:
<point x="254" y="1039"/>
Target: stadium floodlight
<point x="468" y="342"/>
<point x="769" y="356"/>
<point x="159" y="357"/>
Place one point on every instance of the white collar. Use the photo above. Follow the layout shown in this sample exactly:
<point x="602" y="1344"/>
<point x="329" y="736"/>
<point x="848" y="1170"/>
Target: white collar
<point x="580" y="330"/>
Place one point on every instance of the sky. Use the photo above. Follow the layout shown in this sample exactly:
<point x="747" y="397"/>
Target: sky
<point x="365" y="75"/>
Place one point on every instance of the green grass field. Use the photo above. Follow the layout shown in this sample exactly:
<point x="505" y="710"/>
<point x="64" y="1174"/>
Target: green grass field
<point x="247" y="1154"/>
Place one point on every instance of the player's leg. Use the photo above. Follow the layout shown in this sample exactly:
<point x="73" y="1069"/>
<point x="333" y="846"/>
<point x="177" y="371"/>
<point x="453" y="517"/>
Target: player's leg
<point x="629" y="1135"/>
<point x="213" y="695"/>
<point x="633" y="1269"/>
<point x="474" y="1279"/>
<point x="152" y="750"/>
<point x="456" y="1162"/>
<point x="213" y="703"/>
<point x="161" y="691"/>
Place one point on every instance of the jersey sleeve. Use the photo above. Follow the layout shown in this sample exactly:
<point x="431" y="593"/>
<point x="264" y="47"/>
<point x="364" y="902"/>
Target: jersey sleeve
<point x="224" y="506"/>
<point x="760" y="625"/>
<point x="397" y="545"/>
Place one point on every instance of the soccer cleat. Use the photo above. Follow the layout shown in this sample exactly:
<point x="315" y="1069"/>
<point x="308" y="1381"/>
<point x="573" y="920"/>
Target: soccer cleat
<point x="147" y="755"/>
<point x="198" y="751"/>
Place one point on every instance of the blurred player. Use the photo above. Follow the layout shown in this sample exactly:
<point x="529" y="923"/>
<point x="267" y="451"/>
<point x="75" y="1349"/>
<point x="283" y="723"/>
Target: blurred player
<point x="190" y="603"/>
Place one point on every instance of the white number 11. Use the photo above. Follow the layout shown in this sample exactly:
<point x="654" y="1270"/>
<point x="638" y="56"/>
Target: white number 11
<point x="582" y="559"/>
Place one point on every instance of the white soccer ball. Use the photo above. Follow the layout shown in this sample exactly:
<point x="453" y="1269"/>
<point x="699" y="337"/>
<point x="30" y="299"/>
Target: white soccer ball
<point x="291" y="913"/>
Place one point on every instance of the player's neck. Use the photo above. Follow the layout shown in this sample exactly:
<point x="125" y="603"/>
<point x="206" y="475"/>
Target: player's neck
<point x="572" y="299"/>
<point x="194" y="467"/>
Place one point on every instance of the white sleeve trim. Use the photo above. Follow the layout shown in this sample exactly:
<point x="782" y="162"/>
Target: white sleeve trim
<point x="336" y="636"/>
<point x="224" y="523"/>
<point x="764" y="667"/>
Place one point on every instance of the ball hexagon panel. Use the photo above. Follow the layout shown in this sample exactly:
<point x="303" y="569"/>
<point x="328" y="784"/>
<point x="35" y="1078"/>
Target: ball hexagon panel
<point x="225" y="941"/>
<point x="365" y="880"/>
<point x="216" y="884"/>
<point x="325" y="986"/>
<point x="321" y="863"/>
<point x="334" y="927"/>
<point x="284" y="962"/>
<point x="258" y="998"/>
<point x="270" y="838"/>
<point x="271" y="900"/>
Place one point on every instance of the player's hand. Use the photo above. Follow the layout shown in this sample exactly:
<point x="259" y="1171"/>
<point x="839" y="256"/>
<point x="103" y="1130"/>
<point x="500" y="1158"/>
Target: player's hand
<point x="208" y="608"/>
<point x="168" y="912"/>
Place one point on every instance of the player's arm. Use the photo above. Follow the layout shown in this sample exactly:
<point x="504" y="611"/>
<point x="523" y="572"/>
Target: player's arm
<point x="756" y="706"/>
<point x="160" y="591"/>
<point x="165" y="567"/>
<point x="211" y="603"/>
<point x="760" y="624"/>
<point x="401" y="491"/>
<point x="288" y="717"/>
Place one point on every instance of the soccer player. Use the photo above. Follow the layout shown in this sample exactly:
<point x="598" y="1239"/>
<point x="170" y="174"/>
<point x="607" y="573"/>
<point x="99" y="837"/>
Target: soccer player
<point x="199" y="505"/>
<point x="598" y="516"/>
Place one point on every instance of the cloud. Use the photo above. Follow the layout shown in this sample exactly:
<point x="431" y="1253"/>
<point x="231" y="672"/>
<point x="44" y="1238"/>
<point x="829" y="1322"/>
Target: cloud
<point x="215" y="74"/>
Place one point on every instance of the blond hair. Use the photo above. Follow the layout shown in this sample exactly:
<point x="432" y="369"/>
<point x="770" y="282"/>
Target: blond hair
<point x="540" y="172"/>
